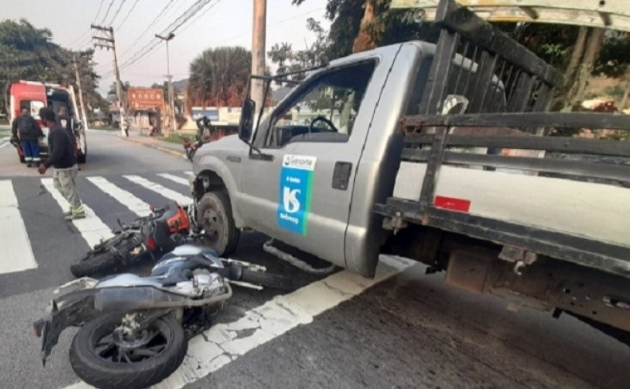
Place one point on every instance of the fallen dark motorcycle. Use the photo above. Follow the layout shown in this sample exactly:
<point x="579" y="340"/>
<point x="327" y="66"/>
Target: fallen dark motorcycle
<point x="134" y="330"/>
<point x="155" y="234"/>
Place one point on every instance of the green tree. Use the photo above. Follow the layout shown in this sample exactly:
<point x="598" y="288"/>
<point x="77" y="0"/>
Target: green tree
<point x="579" y="51"/>
<point x="289" y="60"/>
<point x="28" y="53"/>
<point x="218" y="77"/>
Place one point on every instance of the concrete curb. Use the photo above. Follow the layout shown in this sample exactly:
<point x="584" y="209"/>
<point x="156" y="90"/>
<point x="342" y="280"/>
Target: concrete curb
<point x="157" y="147"/>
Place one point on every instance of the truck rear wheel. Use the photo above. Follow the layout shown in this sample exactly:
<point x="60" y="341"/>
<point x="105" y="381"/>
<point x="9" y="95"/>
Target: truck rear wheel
<point x="214" y="215"/>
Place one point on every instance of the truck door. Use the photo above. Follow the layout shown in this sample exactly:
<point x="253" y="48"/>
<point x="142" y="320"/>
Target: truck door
<point x="299" y="188"/>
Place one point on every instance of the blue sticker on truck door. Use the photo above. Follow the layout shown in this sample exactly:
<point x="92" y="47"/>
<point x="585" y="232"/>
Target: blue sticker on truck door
<point x="296" y="184"/>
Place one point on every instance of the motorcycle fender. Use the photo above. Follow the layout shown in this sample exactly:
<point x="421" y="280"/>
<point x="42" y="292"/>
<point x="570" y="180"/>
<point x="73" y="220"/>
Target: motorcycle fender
<point x="70" y="310"/>
<point x="136" y="298"/>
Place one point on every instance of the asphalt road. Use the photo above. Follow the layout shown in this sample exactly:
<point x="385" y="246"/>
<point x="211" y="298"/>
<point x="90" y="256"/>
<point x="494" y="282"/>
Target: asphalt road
<point x="410" y="331"/>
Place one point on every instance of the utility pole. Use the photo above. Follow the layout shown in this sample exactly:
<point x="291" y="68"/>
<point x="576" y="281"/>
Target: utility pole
<point x="76" y="74"/>
<point x="258" y="51"/>
<point x="169" y="77"/>
<point x="108" y="42"/>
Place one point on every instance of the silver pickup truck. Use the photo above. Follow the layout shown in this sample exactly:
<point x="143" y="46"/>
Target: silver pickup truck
<point x="440" y="153"/>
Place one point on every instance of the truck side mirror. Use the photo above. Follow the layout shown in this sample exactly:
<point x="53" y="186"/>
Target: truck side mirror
<point x="246" y="124"/>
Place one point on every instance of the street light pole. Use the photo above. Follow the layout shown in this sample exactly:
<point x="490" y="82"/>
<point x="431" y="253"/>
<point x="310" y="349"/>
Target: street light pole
<point x="171" y="97"/>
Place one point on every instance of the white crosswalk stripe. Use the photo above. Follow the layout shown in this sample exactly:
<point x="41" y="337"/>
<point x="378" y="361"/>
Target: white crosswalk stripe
<point x="91" y="228"/>
<point x="17" y="252"/>
<point x="124" y="197"/>
<point x="157" y="188"/>
<point x="17" y="246"/>
<point x="173" y="178"/>
<point x="223" y="343"/>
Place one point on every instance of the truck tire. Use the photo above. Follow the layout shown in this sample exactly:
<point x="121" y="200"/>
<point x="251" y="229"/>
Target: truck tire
<point x="103" y="373"/>
<point x="93" y="263"/>
<point x="267" y="280"/>
<point x="214" y="215"/>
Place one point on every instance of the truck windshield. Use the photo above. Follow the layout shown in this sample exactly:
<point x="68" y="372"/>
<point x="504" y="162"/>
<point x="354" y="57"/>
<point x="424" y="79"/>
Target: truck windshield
<point x="327" y="105"/>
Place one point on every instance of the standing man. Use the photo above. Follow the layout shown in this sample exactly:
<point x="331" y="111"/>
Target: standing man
<point x="65" y="121"/>
<point x="62" y="157"/>
<point x="29" y="134"/>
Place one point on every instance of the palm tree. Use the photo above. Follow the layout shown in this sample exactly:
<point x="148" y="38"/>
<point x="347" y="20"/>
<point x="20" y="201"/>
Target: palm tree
<point x="218" y="77"/>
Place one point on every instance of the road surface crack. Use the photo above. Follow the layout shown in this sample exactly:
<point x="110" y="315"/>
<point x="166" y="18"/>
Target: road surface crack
<point x="245" y="332"/>
<point x="342" y="292"/>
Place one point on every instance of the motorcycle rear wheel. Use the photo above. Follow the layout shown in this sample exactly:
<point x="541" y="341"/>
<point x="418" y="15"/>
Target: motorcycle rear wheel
<point x="92" y="263"/>
<point x="114" y="367"/>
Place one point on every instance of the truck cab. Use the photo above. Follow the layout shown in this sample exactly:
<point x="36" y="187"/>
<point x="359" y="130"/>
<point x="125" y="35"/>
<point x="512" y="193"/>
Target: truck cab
<point x="439" y="153"/>
<point x="34" y="96"/>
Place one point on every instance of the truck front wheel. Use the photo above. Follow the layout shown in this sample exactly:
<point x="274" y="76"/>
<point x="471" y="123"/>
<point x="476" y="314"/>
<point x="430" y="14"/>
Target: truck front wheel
<point x="214" y="215"/>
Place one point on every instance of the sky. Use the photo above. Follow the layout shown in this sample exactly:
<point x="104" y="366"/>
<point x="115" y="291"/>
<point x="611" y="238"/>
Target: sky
<point x="218" y="23"/>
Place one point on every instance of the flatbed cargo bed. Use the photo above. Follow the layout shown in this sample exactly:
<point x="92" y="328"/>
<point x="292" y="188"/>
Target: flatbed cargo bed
<point x="486" y="173"/>
<point x="564" y="217"/>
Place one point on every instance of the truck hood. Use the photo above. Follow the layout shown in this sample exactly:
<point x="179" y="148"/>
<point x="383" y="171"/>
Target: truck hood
<point x="228" y="145"/>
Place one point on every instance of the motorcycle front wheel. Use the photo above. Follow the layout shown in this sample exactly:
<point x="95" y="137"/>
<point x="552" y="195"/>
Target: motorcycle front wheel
<point x="93" y="262"/>
<point x="105" y="362"/>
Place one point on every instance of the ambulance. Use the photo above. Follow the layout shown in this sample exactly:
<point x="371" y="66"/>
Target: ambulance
<point x="33" y="96"/>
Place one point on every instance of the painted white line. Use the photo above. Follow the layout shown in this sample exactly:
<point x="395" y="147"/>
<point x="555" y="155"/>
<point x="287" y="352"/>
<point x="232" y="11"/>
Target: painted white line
<point x="166" y="192"/>
<point x="91" y="228"/>
<point x="17" y="254"/>
<point x="189" y="173"/>
<point x="179" y="180"/>
<point x="124" y="197"/>
<point x="224" y="344"/>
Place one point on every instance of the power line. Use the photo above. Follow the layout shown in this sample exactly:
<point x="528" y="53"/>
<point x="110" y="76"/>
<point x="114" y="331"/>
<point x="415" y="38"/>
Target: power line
<point x="128" y="13"/>
<point x="127" y="64"/>
<point x="80" y="36"/>
<point x="107" y="13"/>
<point x="200" y="15"/>
<point x="275" y="23"/>
<point x="187" y="15"/>
<point x="117" y="12"/>
<point x="99" y="11"/>
<point x="151" y="24"/>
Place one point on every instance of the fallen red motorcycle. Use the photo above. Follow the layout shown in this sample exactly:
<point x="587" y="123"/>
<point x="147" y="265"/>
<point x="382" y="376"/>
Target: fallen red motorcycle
<point x="158" y="233"/>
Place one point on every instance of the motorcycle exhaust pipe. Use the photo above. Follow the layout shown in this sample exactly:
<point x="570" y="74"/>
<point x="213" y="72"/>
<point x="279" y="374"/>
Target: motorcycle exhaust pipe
<point x="145" y="298"/>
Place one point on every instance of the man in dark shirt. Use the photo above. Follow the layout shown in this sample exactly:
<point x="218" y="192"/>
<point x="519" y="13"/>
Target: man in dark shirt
<point x="61" y="156"/>
<point x="65" y="121"/>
